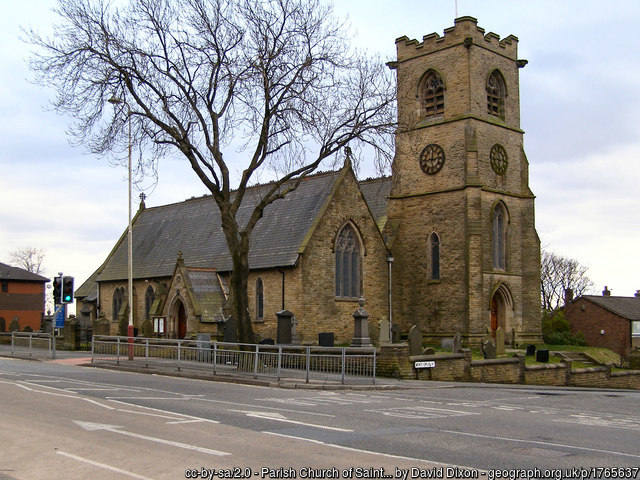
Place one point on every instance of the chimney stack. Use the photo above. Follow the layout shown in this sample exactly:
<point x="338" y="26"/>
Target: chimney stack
<point x="606" y="292"/>
<point x="637" y="294"/>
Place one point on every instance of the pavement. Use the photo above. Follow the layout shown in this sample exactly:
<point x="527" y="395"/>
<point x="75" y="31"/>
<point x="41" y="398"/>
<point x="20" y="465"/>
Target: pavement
<point x="138" y="365"/>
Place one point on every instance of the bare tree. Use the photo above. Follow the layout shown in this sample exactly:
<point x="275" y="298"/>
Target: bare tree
<point x="29" y="258"/>
<point x="558" y="274"/>
<point x="200" y="77"/>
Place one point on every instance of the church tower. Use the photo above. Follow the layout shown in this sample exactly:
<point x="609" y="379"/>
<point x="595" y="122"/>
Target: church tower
<point x="461" y="215"/>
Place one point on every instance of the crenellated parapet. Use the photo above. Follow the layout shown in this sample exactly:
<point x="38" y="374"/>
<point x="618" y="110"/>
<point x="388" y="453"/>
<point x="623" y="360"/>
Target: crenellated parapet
<point x="464" y="32"/>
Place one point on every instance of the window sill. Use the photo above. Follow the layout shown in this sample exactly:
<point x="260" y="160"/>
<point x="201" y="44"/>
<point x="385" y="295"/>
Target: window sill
<point x="346" y="299"/>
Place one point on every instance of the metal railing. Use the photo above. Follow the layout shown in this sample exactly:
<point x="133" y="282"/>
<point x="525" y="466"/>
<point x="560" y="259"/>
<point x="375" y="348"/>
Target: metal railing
<point x="346" y="365"/>
<point x="33" y="343"/>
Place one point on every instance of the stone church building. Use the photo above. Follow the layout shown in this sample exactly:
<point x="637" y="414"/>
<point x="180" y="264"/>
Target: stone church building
<point x="448" y="242"/>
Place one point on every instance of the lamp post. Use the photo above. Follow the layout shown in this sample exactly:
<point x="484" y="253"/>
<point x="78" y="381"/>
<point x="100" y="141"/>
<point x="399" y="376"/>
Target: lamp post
<point x="117" y="101"/>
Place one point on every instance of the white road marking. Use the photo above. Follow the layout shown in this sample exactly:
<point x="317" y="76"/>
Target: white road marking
<point x="420" y="412"/>
<point x="281" y="418"/>
<point x="89" y="426"/>
<point x="161" y="413"/>
<point x="535" y="442"/>
<point x="103" y="465"/>
<point x="236" y="404"/>
<point x="369" y="452"/>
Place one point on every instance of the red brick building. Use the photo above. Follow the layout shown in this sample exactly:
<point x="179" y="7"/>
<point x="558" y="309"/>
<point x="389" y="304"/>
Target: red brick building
<point x="606" y="321"/>
<point x="21" y="296"/>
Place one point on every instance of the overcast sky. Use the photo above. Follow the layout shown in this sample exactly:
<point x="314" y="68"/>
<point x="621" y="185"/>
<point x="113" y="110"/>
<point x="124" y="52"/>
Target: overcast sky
<point x="579" y="110"/>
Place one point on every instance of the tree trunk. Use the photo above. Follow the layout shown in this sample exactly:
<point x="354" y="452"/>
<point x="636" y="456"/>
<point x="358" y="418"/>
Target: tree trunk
<point x="238" y="244"/>
<point x="240" y="297"/>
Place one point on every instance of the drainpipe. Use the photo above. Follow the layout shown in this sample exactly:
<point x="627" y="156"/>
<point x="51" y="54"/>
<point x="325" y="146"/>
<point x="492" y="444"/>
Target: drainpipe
<point x="389" y="263"/>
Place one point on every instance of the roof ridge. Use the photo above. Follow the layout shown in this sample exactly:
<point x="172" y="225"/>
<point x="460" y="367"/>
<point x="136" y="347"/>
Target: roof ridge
<point x="248" y="189"/>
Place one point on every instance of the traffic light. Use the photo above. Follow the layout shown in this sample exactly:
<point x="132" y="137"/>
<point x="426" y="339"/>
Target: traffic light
<point x="57" y="290"/>
<point x="67" y="289"/>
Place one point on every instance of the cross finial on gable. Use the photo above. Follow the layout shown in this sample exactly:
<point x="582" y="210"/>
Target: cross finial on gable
<point x="347" y="152"/>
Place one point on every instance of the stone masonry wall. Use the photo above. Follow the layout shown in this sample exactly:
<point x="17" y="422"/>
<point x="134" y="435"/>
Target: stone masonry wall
<point x="459" y="367"/>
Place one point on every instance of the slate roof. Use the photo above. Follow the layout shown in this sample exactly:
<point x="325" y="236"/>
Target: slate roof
<point x="625" y="307"/>
<point x="376" y="194"/>
<point x="7" y="272"/>
<point x="193" y="227"/>
<point x="207" y="292"/>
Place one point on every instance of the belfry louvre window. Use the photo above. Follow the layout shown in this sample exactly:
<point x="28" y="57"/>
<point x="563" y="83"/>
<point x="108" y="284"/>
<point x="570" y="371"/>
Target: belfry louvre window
<point x="433" y="94"/>
<point x="348" y="263"/>
<point x="496" y="93"/>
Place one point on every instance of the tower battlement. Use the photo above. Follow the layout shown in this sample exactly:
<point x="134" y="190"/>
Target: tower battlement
<point x="465" y="31"/>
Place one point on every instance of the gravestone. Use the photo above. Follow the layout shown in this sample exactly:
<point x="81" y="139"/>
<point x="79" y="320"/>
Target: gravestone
<point x="230" y="330"/>
<point x="428" y="351"/>
<point x="446" y="343"/>
<point x="542" y="356"/>
<point x="294" y="333"/>
<point x="457" y="343"/>
<point x="203" y="342"/>
<point x="489" y="350"/>
<point x="283" y="334"/>
<point x="415" y="341"/>
<point x="531" y="350"/>
<point x="385" y="334"/>
<point x="325" y="339"/>
<point x="147" y="328"/>
<point x="396" y="333"/>
<point x="499" y="341"/>
<point x="267" y="341"/>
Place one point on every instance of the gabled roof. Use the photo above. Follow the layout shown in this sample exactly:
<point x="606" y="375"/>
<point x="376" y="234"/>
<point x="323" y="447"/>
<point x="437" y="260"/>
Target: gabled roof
<point x="625" y="307"/>
<point x="7" y="272"/>
<point x="194" y="228"/>
<point x="376" y="193"/>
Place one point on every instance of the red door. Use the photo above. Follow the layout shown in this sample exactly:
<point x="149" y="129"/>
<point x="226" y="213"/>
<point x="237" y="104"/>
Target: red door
<point x="494" y="316"/>
<point x="182" y="321"/>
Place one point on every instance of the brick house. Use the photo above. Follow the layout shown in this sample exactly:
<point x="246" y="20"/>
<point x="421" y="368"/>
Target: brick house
<point x="22" y="297"/>
<point x="606" y="321"/>
<point x="447" y="242"/>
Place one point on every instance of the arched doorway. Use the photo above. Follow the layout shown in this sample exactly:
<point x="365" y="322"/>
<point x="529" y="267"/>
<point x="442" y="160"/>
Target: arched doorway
<point x="181" y="318"/>
<point x="501" y="308"/>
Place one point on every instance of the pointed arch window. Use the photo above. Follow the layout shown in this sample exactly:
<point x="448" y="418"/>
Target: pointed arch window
<point x="259" y="299"/>
<point x="348" y="263"/>
<point x="496" y="94"/>
<point x="432" y="94"/>
<point x="149" y="298"/>
<point x="434" y="250"/>
<point x="499" y="237"/>
<point x="118" y="299"/>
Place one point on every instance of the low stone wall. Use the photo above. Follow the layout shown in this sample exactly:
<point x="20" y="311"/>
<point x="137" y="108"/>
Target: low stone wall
<point x="500" y="370"/>
<point x="553" y="374"/>
<point x="454" y="367"/>
<point x="394" y="361"/>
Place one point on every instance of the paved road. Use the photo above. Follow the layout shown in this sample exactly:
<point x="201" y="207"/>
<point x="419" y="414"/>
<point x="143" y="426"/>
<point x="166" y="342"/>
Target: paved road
<point x="94" y="423"/>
